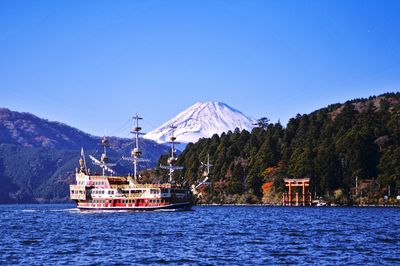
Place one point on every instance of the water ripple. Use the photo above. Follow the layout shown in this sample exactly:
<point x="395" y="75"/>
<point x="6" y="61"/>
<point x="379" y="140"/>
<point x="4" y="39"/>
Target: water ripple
<point x="60" y="234"/>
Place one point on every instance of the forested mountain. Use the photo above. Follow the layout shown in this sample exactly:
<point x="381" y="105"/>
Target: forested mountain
<point x="334" y="146"/>
<point x="38" y="157"/>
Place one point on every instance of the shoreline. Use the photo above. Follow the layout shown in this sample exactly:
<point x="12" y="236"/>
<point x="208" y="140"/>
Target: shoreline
<point x="279" y="205"/>
<point x="235" y="205"/>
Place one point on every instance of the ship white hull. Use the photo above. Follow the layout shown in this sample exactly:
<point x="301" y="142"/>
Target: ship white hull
<point x="182" y="206"/>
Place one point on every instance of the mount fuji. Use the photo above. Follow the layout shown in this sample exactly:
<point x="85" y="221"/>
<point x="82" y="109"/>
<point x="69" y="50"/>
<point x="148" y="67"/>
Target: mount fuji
<point x="202" y="120"/>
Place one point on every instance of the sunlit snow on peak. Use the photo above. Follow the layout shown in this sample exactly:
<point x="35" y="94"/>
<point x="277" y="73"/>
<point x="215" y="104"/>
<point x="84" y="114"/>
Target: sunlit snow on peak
<point x="202" y="120"/>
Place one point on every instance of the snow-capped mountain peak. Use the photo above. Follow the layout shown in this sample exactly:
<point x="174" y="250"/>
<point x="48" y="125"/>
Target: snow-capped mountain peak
<point x="202" y="120"/>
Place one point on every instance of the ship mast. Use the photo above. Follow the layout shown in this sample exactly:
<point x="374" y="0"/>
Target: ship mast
<point x="82" y="162"/>
<point x="104" y="158"/>
<point x="103" y="163"/>
<point x="172" y="157"/>
<point x="206" y="172"/>
<point x="208" y="165"/>
<point x="136" y="152"/>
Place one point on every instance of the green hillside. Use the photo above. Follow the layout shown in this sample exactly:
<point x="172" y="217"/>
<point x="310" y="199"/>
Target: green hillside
<point x="334" y="146"/>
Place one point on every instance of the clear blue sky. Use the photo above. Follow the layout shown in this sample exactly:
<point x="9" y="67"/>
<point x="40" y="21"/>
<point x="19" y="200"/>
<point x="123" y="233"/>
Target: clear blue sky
<point x="92" y="64"/>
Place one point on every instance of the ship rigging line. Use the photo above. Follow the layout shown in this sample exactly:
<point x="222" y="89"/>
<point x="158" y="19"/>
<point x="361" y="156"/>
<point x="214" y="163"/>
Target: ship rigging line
<point x="122" y="127"/>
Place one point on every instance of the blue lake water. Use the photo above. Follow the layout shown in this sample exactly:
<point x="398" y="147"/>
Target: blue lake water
<point x="224" y="235"/>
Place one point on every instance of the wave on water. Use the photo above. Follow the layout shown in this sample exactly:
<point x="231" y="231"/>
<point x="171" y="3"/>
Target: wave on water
<point x="30" y="210"/>
<point x="66" y="210"/>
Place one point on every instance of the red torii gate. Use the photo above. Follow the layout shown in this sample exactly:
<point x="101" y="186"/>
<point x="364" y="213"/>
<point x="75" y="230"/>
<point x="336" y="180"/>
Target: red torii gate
<point x="287" y="198"/>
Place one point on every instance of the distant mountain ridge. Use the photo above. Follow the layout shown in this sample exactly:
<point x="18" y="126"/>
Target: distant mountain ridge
<point x="28" y="130"/>
<point x="202" y="120"/>
<point x="38" y="157"/>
